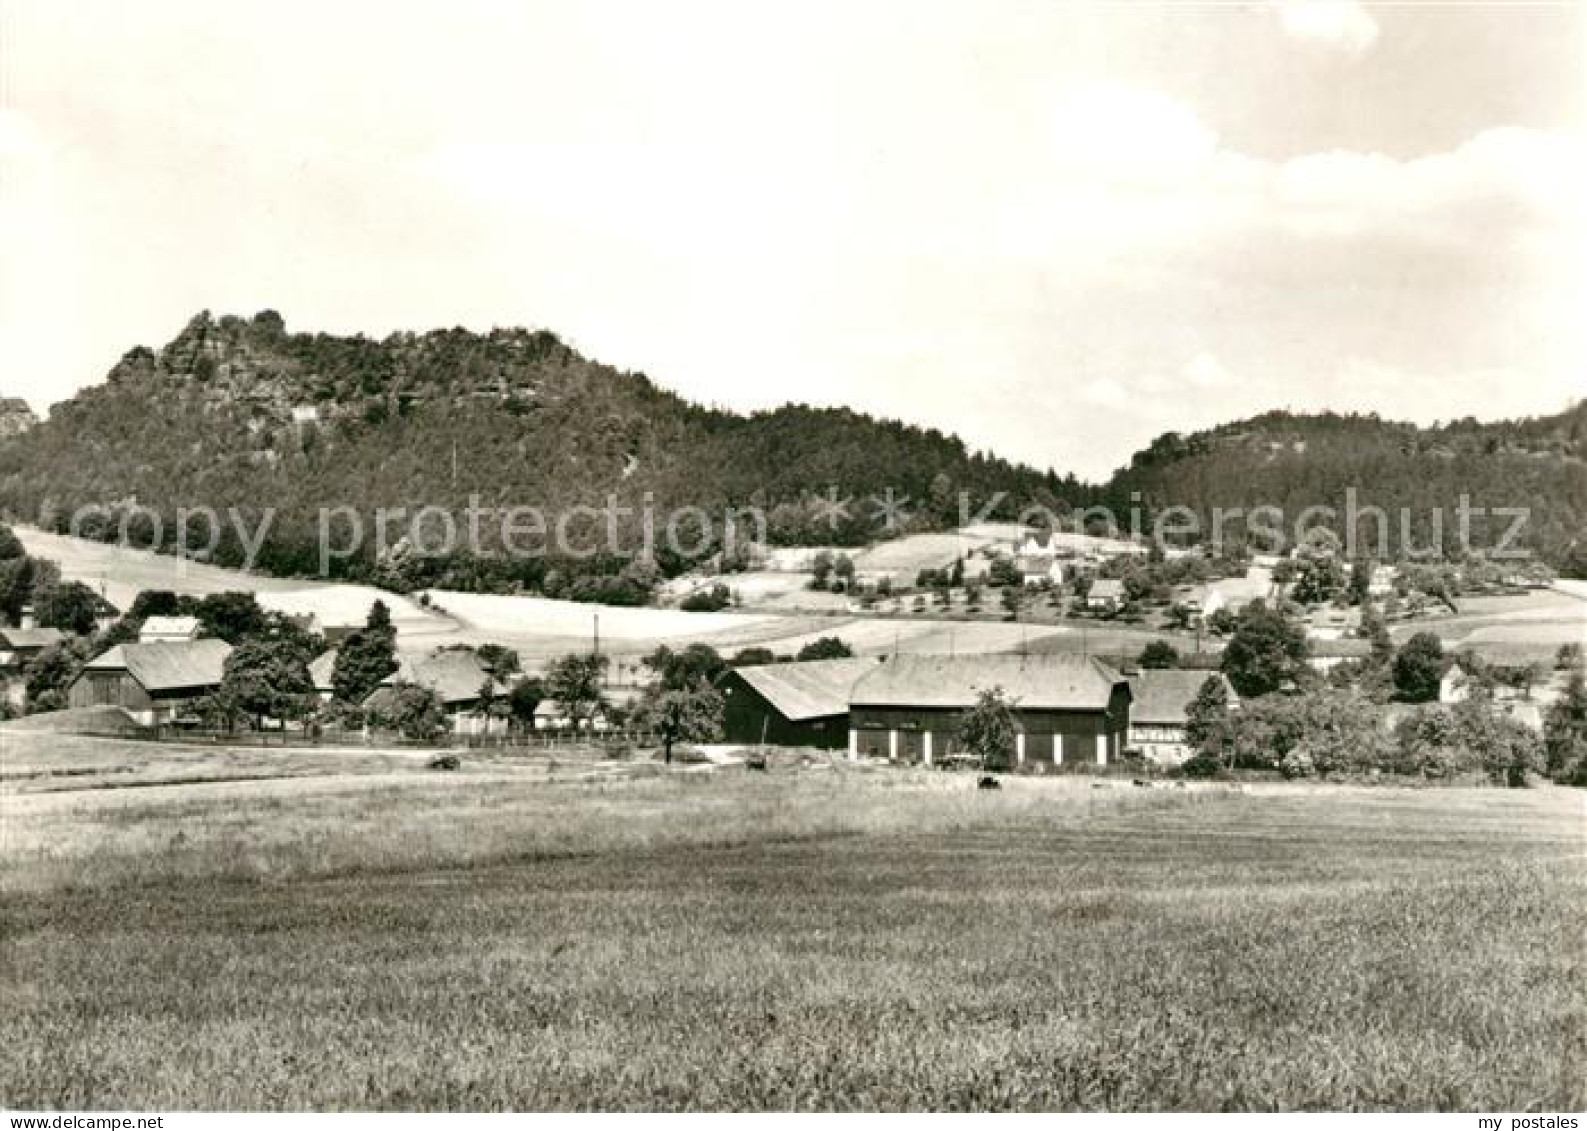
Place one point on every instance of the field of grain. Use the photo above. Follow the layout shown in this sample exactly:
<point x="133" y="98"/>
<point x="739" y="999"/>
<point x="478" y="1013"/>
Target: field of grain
<point x="815" y="938"/>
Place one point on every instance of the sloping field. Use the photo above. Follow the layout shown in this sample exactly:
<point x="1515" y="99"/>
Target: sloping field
<point x="121" y="573"/>
<point x="1513" y="629"/>
<point x="917" y="552"/>
<point x="540" y="627"/>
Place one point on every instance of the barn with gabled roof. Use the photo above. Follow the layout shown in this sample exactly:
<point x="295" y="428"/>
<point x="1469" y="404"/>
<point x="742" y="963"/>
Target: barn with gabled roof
<point x="155" y="682"/>
<point x="804" y="703"/>
<point x="1069" y="710"/>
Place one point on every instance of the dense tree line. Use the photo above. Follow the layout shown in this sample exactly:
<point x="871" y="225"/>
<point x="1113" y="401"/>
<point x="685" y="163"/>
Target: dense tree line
<point x="1294" y="461"/>
<point x="220" y="418"/>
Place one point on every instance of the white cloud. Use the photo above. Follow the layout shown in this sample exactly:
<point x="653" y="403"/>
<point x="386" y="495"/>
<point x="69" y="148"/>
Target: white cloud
<point x="1206" y="372"/>
<point x="1122" y="133"/>
<point x="754" y="210"/>
<point x="1106" y="393"/>
<point x="1341" y="25"/>
<point x="1134" y="173"/>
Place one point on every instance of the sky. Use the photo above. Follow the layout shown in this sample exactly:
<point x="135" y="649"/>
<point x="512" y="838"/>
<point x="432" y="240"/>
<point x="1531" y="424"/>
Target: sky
<point x="1057" y="230"/>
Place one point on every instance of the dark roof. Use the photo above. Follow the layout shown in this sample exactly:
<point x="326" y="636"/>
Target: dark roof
<point x="812" y="689"/>
<point x="1049" y="681"/>
<point x="1162" y="695"/>
<point x="168" y="665"/>
<point x="21" y="638"/>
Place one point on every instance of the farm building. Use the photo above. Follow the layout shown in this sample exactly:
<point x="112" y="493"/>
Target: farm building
<point x="1232" y="593"/>
<point x="18" y="646"/>
<point x="155" y="683"/>
<point x="1069" y="710"/>
<point x="1105" y="593"/>
<point x="1159" y="710"/>
<point x="164" y="630"/>
<point x="1034" y="569"/>
<point x="797" y="704"/>
<point x="551" y="715"/>
<point x="460" y="682"/>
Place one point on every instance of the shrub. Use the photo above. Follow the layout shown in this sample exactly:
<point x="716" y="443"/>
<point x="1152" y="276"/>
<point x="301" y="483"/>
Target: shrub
<point x="1298" y="764"/>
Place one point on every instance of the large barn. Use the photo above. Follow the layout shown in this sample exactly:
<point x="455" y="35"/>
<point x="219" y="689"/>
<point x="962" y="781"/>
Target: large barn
<point x="155" y="683"/>
<point x="1069" y="710"/>
<point x="793" y="704"/>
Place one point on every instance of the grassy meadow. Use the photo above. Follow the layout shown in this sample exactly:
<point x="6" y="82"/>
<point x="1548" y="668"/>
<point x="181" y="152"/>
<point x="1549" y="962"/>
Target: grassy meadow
<point x="539" y="936"/>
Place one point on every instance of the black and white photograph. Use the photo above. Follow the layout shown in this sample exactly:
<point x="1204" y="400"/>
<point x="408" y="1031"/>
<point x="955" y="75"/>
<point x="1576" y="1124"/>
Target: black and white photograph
<point x="649" y="556"/>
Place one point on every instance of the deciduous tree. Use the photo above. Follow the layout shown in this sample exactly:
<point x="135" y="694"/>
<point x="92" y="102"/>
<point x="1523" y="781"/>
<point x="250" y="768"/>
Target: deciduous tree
<point x="574" y="681"/>
<point x="988" y="729"/>
<point x="1419" y="667"/>
<point x="681" y="714"/>
<point x="1267" y="650"/>
<point x="826" y="648"/>
<point x="1159" y="654"/>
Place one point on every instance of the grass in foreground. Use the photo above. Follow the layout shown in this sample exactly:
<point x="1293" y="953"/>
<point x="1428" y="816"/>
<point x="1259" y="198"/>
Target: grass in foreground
<point x="1301" y="948"/>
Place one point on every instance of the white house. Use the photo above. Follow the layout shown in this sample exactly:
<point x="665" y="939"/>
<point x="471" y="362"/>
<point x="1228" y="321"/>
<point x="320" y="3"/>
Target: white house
<point x="1105" y="593"/>
<point x="166" y="630"/>
<point x="1159" y="711"/>
<point x="1457" y="685"/>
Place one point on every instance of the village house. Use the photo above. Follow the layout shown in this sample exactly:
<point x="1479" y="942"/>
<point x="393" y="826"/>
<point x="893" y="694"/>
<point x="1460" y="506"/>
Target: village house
<point x="1106" y="594"/>
<point x="793" y="704"/>
<point x="153" y="682"/>
<point x="1233" y="593"/>
<point x="166" y="630"/>
<point x="18" y="647"/>
<point x="1069" y="710"/>
<point x="1037" y="569"/>
<point x="1456" y="685"/>
<point x="1159" y="711"/>
<point x="321" y="670"/>
<point x="459" y="680"/>
<point x="552" y="715"/>
<point x="1066" y="543"/>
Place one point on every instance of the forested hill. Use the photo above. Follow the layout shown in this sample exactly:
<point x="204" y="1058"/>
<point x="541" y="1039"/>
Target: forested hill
<point x="240" y="412"/>
<point x="1295" y="461"/>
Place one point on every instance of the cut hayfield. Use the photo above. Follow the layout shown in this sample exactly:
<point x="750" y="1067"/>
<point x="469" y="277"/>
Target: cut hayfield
<point x="728" y="940"/>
